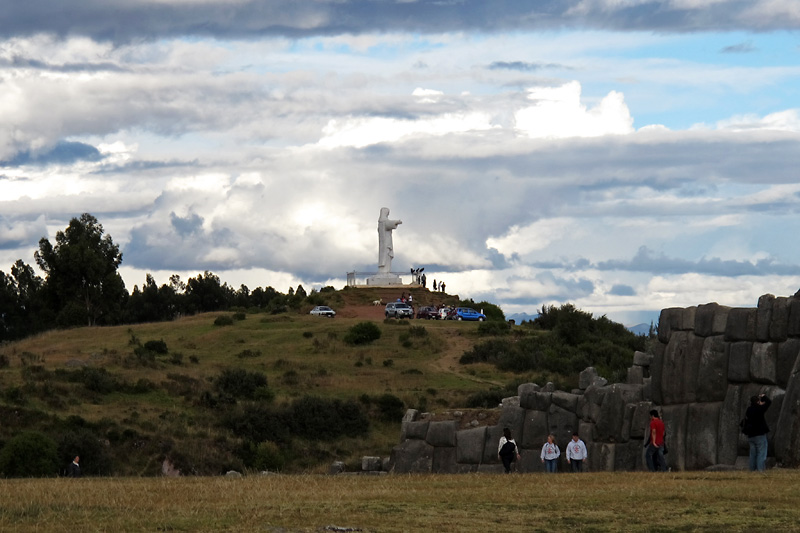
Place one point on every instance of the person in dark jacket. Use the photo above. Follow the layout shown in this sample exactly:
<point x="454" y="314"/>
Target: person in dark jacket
<point x="74" y="468"/>
<point x="756" y="429"/>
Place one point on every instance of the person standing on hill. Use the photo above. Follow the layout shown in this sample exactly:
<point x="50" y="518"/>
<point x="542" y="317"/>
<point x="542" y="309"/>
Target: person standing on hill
<point x="655" y="444"/>
<point x="550" y="454"/>
<point x="756" y="429"/>
<point x="576" y="453"/>
<point x="507" y="450"/>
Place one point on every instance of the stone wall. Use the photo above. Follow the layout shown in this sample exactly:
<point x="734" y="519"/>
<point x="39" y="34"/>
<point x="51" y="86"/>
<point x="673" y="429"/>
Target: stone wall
<point x="708" y="362"/>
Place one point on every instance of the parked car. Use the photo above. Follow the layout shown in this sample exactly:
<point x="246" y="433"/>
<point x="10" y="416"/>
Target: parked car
<point x="444" y="313"/>
<point x="323" y="310"/>
<point x="398" y="310"/>
<point x="428" y="312"/>
<point x="467" y="313"/>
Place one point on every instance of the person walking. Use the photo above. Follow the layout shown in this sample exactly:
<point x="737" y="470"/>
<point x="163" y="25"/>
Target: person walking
<point x="756" y="429"/>
<point x="576" y="453"/>
<point x="550" y="454"/>
<point x="507" y="450"/>
<point x="655" y="444"/>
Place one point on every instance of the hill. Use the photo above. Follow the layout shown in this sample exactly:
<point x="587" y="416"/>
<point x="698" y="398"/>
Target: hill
<point x="204" y="398"/>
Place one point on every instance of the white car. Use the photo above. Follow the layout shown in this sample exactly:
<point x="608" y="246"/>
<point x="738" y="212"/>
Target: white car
<point x="323" y="310"/>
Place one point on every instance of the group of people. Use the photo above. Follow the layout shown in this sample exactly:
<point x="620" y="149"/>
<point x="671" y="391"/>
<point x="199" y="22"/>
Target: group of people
<point x="754" y="426"/>
<point x="508" y="452"/>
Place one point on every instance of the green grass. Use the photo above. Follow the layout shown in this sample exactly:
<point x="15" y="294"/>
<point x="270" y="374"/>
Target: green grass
<point x="592" y="502"/>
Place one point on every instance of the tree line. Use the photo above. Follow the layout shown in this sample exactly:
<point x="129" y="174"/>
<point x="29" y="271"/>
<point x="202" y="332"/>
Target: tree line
<point x="82" y="287"/>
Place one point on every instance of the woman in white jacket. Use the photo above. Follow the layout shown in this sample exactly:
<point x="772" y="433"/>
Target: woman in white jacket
<point x="550" y="454"/>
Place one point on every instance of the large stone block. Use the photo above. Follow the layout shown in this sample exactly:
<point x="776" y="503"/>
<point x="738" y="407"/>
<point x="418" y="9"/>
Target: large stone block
<point x="779" y="324"/>
<point x="657" y="374"/>
<point x="410" y="416"/>
<point x="625" y="432"/>
<point x="444" y="460"/>
<point x="566" y="400"/>
<point x="470" y="445"/>
<point x="647" y="389"/>
<point x="529" y="462"/>
<point x="669" y="321"/>
<point x="787" y="356"/>
<point x="680" y="368"/>
<point x="764" y="316"/>
<point x="710" y="319"/>
<point x="641" y="420"/>
<point x="701" y="435"/>
<point x="535" y="430"/>
<point x="675" y="421"/>
<point x="787" y="430"/>
<point x="586" y="377"/>
<point x="739" y="361"/>
<point x="793" y="326"/>
<point x="562" y="423"/>
<point x="612" y="412"/>
<point x="513" y="418"/>
<point x="417" y="429"/>
<point x="635" y="375"/>
<point x="595" y="394"/>
<point x="712" y="375"/>
<point x="642" y="359"/>
<point x="763" y="362"/>
<point x="442" y="433"/>
<point x="628" y="456"/>
<point x="412" y="456"/>
<point x="728" y="430"/>
<point x="602" y="457"/>
<point x="687" y="319"/>
<point x="525" y="391"/>
<point x="586" y="432"/>
<point x="741" y="324"/>
<point x="492" y="441"/>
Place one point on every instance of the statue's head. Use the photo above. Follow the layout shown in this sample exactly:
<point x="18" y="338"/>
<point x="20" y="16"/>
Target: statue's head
<point x="384" y="212"/>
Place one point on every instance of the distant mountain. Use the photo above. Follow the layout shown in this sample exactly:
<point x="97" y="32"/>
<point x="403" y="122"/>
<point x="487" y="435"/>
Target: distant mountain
<point x="518" y="318"/>
<point x="640" y="329"/>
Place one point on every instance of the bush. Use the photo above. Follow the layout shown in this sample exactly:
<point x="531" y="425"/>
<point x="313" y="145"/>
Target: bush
<point x="29" y="454"/>
<point x="4" y="362"/>
<point x="391" y="407"/>
<point x="223" y="320"/>
<point x="245" y="354"/>
<point x="240" y="383"/>
<point x="267" y="456"/>
<point x="495" y="328"/>
<point x="363" y="333"/>
<point x="487" y="399"/>
<point x="238" y="316"/>
<point x="159" y="347"/>
<point x="325" y="419"/>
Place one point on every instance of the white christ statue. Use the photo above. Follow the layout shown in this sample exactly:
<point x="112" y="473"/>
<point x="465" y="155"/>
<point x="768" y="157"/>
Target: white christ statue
<point x="385" y="247"/>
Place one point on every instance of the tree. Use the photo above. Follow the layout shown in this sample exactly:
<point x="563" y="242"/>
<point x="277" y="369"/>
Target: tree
<point x="82" y="278"/>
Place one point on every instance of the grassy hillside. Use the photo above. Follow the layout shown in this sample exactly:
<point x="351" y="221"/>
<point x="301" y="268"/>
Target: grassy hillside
<point x="118" y="395"/>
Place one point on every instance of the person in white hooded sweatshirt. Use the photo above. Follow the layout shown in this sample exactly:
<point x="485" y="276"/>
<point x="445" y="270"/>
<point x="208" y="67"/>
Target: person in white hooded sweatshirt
<point x="550" y="454"/>
<point x="576" y="453"/>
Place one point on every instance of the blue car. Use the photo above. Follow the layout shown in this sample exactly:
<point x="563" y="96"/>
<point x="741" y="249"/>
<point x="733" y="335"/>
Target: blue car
<point x="467" y="313"/>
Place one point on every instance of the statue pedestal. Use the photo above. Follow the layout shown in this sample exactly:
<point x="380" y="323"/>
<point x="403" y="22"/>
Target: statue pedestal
<point x="384" y="279"/>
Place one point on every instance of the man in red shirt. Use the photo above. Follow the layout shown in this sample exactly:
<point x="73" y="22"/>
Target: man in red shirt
<point x="655" y="444"/>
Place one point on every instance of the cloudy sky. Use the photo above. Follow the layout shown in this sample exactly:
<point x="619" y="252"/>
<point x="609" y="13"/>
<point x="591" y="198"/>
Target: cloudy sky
<point x="622" y="155"/>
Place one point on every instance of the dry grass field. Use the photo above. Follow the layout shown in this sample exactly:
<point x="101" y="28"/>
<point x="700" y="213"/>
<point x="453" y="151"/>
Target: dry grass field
<point x="686" y="501"/>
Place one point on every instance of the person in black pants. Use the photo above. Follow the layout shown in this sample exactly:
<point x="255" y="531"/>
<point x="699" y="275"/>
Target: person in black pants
<point x="756" y="429"/>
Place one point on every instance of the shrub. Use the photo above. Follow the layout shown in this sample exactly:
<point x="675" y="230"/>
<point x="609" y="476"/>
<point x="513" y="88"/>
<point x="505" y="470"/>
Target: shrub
<point x="325" y="419"/>
<point x="268" y="456"/>
<point x="29" y="454"/>
<point x="495" y="328"/>
<point x="245" y="354"/>
<point x="391" y="407"/>
<point x="159" y="347"/>
<point x="486" y="399"/>
<point x="388" y="362"/>
<point x="412" y="371"/>
<point x="363" y="333"/>
<point x="223" y="320"/>
<point x="308" y="334"/>
<point x="240" y="383"/>
<point x="238" y="316"/>
<point x="98" y="380"/>
<point x="418" y="331"/>
<point x="4" y="362"/>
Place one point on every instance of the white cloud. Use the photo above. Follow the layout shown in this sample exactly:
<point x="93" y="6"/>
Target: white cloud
<point x="557" y="112"/>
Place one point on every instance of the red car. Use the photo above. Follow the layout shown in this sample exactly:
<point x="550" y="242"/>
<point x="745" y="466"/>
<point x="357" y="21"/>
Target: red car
<point x="428" y="312"/>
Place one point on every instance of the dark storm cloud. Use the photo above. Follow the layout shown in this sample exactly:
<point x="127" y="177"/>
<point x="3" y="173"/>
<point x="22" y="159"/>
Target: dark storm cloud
<point x="64" y="153"/>
<point x="622" y="290"/>
<point x="647" y="260"/>
<point x="19" y="62"/>
<point x="127" y="20"/>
